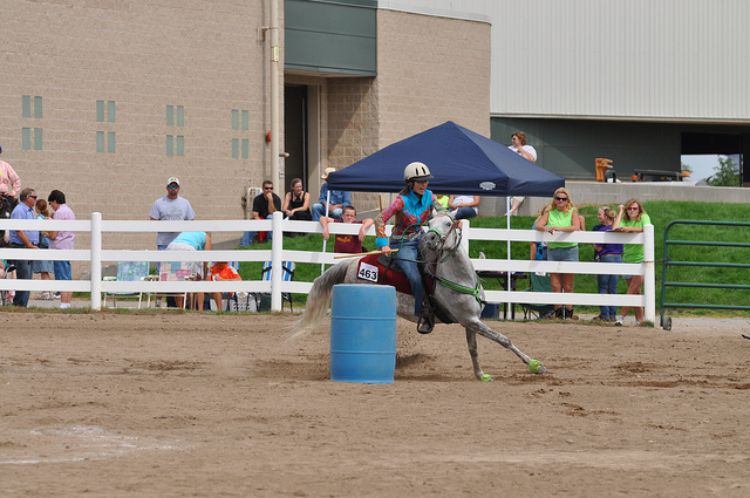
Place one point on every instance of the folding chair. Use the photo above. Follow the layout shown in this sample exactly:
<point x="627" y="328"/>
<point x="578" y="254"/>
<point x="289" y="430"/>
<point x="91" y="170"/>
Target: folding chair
<point x="287" y="275"/>
<point x="535" y="311"/>
<point x="170" y="271"/>
<point x="128" y="271"/>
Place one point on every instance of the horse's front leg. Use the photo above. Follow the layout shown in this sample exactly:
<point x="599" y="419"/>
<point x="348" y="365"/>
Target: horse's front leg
<point x="471" y="341"/>
<point x="477" y="327"/>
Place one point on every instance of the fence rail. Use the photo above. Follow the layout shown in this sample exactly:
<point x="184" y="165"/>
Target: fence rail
<point x="276" y="286"/>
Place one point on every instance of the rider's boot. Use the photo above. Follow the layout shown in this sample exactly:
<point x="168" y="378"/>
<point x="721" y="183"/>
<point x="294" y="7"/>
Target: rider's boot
<point x="427" y="320"/>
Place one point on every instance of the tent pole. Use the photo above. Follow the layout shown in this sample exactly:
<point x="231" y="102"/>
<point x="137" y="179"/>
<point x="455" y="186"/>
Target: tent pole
<point x="325" y="242"/>
<point x="509" y="274"/>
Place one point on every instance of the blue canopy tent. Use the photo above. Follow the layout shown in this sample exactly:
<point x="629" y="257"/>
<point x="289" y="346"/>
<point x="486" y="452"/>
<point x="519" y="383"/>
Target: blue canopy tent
<point x="461" y="162"/>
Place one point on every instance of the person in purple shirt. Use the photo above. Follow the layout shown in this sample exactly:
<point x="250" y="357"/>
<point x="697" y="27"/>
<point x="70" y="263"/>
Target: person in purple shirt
<point x="607" y="253"/>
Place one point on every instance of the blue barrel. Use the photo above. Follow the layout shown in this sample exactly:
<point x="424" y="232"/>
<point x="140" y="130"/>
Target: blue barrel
<point x="363" y="333"/>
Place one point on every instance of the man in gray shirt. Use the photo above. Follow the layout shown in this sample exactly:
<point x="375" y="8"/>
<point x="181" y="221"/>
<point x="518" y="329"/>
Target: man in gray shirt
<point x="170" y="207"/>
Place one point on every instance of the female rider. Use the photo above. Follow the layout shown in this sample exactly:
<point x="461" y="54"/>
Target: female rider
<point x="412" y="208"/>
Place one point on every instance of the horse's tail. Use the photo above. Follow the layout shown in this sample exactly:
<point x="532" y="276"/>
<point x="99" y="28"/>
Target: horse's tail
<point x="320" y="297"/>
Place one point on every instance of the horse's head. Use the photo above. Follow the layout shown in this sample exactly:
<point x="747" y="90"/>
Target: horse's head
<point x="442" y="233"/>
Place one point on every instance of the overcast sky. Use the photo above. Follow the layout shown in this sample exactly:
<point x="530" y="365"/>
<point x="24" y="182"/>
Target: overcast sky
<point x="703" y="166"/>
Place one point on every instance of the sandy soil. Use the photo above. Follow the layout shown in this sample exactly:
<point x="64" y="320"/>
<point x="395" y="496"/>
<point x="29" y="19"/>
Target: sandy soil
<point x="186" y="405"/>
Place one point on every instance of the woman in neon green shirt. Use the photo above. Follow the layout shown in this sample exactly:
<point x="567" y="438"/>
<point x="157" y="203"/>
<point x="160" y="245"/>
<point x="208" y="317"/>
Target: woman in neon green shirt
<point x="633" y="221"/>
<point x="562" y="216"/>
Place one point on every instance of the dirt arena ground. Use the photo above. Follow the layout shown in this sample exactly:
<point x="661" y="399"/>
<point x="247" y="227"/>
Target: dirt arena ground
<point x="185" y="405"/>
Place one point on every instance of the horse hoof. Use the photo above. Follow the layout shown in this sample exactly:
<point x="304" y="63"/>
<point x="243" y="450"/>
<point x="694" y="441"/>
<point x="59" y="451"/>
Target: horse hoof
<point x="486" y="378"/>
<point x="536" y="367"/>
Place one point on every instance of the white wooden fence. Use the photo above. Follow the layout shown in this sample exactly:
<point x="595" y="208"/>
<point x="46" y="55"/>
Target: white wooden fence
<point x="95" y="255"/>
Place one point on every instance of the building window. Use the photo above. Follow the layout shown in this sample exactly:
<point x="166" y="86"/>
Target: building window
<point x="175" y="144"/>
<point x="32" y="109"/>
<point x="240" y="143"/>
<point x="105" y="111"/>
<point x="105" y="137"/>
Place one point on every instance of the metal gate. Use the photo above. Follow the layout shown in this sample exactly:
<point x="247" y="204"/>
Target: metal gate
<point x="666" y="321"/>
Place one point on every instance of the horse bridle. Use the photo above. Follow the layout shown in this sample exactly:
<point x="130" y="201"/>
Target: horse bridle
<point x="475" y="291"/>
<point x="455" y="227"/>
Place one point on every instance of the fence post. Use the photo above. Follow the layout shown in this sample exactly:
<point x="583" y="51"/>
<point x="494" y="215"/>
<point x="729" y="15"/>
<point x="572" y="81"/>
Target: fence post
<point x="96" y="261"/>
<point x="649" y="270"/>
<point x="277" y="271"/>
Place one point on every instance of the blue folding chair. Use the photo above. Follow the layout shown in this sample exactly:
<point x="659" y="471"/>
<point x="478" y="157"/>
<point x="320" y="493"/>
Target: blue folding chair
<point x="263" y="300"/>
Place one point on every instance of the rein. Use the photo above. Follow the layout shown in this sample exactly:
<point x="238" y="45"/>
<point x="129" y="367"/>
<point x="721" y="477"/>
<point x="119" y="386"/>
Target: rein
<point x="476" y="291"/>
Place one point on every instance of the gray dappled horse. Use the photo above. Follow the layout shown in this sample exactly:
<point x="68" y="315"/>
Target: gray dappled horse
<point x="458" y="292"/>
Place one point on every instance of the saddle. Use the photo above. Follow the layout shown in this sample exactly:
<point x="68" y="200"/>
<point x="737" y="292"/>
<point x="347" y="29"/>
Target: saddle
<point x="380" y="269"/>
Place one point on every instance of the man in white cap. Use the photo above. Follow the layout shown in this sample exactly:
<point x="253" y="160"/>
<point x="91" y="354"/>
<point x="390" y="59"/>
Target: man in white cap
<point x="170" y="207"/>
<point x="338" y="200"/>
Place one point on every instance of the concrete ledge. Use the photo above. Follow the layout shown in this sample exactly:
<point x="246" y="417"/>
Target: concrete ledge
<point x="594" y="193"/>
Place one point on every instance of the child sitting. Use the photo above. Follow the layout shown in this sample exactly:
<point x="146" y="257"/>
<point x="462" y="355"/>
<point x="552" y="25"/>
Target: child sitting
<point x="220" y="270"/>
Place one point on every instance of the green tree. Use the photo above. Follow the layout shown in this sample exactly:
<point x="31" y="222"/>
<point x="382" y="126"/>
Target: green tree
<point x="726" y="174"/>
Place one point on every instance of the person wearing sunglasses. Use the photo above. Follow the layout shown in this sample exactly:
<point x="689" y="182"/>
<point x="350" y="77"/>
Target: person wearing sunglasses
<point x="561" y="216"/>
<point x="24" y="239"/>
<point x="170" y="207"/>
<point x="631" y="219"/>
<point x="264" y="205"/>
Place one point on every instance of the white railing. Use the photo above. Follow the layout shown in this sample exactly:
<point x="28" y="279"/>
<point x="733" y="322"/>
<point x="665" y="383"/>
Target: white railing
<point x="96" y="255"/>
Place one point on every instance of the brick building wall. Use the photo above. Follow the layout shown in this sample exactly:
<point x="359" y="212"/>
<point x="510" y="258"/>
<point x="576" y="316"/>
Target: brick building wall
<point x="431" y="70"/>
<point x="203" y="58"/>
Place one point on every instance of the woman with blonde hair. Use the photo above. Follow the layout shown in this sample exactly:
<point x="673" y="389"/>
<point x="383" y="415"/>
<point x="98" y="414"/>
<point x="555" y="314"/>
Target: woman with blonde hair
<point x="44" y="268"/>
<point x="561" y="216"/>
<point x="607" y="253"/>
<point x="633" y="221"/>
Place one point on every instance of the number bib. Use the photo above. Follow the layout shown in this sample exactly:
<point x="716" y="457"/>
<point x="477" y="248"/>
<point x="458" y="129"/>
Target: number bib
<point x="368" y="272"/>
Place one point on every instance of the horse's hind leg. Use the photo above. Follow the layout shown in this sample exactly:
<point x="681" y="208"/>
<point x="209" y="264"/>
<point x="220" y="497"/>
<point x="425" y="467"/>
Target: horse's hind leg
<point x="477" y="327"/>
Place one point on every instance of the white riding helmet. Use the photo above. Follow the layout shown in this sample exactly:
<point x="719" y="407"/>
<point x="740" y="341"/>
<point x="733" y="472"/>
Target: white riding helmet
<point x="417" y="171"/>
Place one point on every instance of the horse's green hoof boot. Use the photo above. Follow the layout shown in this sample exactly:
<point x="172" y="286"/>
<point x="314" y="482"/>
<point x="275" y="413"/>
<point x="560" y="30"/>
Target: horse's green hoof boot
<point x="486" y="378"/>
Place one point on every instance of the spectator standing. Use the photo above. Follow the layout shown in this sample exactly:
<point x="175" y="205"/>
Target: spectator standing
<point x="464" y="207"/>
<point x="264" y="205"/>
<point x="10" y="186"/>
<point x="562" y="216"/>
<point x="339" y="199"/>
<point x="519" y="146"/>
<point x="61" y="239"/>
<point x="10" y="182"/>
<point x="170" y="207"/>
<point x="631" y="218"/>
<point x="346" y="243"/>
<point x="607" y="253"/>
<point x="24" y="239"/>
<point x="44" y="268"/>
